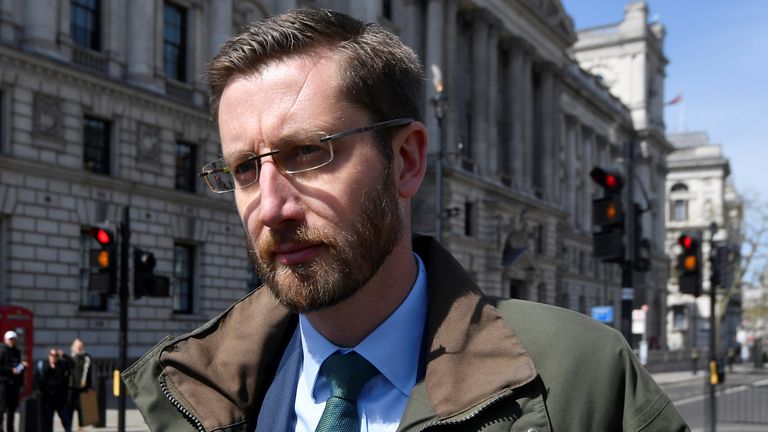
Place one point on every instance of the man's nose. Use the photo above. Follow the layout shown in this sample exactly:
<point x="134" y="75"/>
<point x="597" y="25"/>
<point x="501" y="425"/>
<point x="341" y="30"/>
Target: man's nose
<point x="278" y="201"/>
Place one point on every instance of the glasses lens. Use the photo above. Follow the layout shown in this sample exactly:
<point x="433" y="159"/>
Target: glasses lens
<point x="218" y="177"/>
<point x="298" y="157"/>
<point x="245" y="171"/>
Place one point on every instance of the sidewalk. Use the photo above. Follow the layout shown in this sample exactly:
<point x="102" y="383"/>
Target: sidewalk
<point x="133" y="422"/>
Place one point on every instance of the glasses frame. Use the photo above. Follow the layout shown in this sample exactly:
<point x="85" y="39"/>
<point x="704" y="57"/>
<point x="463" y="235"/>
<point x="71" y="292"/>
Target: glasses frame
<point x="328" y="138"/>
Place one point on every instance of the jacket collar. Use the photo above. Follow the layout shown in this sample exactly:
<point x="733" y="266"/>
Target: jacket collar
<point x="221" y="371"/>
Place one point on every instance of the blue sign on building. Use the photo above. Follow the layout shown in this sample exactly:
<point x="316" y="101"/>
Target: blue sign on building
<point x="603" y="313"/>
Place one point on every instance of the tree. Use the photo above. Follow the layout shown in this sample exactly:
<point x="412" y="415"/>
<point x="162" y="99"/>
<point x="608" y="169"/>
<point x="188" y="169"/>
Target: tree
<point x="748" y="263"/>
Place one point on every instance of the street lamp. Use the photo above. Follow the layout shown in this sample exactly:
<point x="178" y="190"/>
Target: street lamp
<point x="440" y="101"/>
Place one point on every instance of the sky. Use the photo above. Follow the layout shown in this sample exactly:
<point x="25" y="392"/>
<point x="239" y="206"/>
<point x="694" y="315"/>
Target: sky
<point x="718" y="61"/>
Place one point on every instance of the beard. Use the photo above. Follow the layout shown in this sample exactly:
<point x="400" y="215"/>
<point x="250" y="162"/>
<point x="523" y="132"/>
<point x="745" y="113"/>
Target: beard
<point x="353" y="257"/>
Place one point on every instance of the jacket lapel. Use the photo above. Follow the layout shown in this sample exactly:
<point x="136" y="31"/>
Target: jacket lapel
<point x="221" y="372"/>
<point x="277" y="413"/>
<point x="472" y="354"/>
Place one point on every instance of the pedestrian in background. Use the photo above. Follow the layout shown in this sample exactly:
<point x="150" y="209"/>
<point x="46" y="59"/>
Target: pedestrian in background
<point x="52" y="383"/>
<point x="80" y="377"/>
<point x="11" y="379"/>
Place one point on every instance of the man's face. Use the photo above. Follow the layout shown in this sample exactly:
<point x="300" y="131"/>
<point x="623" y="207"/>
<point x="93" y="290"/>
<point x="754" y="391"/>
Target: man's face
<point x="315" y="237"/>
<point x="11" y="342"/>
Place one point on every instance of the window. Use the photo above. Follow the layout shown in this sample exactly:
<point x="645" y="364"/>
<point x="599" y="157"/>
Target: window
<point x="679" y="187"/>
<point x="96" y="145"/>
<point x="89" y="300"/>
<point x="679" y="210"/>
<point x="183" y="278"/>
<point x="174" y="42"/>
<point x="678" y="318"/>
<point x="84" y="23"/>
<point x="186" y="175"/>
<point x="3" y="110"/>
<point x="515" y="289"/>
<point x="468" y="220"/>
<point x="386" y="9"/>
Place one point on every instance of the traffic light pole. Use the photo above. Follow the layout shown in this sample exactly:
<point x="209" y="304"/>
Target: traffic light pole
<point x="627" y="267"/>
<point x="712" y="335"/>
<point x="125" y="250"/>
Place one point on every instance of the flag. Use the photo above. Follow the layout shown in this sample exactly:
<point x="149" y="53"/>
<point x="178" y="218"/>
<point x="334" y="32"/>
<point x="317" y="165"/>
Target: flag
<point x="675" y="100"/>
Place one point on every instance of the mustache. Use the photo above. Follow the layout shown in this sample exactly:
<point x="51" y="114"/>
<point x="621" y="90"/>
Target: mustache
<point x="301" y="234"/>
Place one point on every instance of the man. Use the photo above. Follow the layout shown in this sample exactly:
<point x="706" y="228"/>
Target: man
<point x="358" y="327"/>
<point x="79" y="378"/>
<point x="11" y="379"/>
<point x="52" y="381"/>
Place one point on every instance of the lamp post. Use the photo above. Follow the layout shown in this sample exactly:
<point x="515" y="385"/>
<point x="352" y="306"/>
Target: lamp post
<point x="713" y="370"/>
<point x="439" y="100"/>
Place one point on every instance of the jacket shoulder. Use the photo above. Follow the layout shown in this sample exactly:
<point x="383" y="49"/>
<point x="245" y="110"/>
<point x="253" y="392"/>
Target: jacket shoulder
<point x="575" y="354"/>
<point x="142" y="379"/>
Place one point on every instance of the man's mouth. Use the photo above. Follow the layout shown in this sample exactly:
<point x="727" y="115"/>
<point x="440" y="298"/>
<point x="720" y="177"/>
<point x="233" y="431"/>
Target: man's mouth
<point x="296" y="253"/>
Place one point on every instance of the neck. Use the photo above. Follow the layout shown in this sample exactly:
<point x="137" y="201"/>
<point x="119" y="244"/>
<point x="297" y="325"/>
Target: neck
<point x="349" y="322"/>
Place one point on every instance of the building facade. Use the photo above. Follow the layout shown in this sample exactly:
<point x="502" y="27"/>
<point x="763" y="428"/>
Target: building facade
<point x="103" y="106"/>
<point x="700" y="193"/>
<point x="628" y="57"/>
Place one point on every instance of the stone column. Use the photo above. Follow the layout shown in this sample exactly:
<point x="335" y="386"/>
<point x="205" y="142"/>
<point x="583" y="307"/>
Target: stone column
<point x="7" y="23"/>
<point x="433" y="55"/>
<point x="570" y="177"/>
<point x="450" y="71"/>
<point x="220" y="22"/>
<point x="141" y="42"/>
<point x="479" y="105"/>
<point x="40" y="24"/>
<point x="489" y="160"/>
<point x="517" y="120"/>
<point x="407" y="19"/>
<point x="527" y="143"/>
<point x="585" y="222"/>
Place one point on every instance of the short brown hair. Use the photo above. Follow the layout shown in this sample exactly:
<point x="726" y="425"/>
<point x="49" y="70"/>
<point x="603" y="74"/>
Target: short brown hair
<point x="379" y="73"/>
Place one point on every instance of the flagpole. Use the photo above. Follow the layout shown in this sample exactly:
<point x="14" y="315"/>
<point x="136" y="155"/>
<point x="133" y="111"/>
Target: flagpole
<point x="682" y="116"/>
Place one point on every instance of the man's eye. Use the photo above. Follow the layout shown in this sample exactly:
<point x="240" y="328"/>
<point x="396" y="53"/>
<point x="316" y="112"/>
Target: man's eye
<point x="245" y="172"/>
<point x="304" y="156"/>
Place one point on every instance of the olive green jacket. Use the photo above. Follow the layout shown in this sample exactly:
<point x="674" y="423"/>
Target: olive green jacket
<point x="491" y="366"/>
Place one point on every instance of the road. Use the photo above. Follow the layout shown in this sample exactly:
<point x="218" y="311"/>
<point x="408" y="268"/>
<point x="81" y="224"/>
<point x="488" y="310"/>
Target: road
<point x="741" y="401"/>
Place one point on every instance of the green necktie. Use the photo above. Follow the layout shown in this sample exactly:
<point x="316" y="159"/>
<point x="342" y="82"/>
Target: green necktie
<point x="346" y="375"/>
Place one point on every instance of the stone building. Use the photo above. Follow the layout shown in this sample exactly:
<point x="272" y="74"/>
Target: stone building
<point x="628" y="57"/>
<point x="700" y="192"/>
<point x="103" y="106"/>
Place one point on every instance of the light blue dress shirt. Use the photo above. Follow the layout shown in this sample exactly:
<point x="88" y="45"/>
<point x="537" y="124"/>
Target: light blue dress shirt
<point x="394" y="348"/>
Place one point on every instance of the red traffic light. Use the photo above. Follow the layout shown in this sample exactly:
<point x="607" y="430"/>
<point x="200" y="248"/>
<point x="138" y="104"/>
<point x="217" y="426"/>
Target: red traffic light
<point x="685" y="241"/>
<point x="102" y="236"/>
<point x="609" y="178"/>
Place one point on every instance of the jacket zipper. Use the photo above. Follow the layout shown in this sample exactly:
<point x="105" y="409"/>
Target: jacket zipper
<point x="473" y="414"/>
<point x="190" y="417"/>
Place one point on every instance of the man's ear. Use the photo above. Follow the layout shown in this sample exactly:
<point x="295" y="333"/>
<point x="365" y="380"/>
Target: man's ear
<point x="410" y="158"/>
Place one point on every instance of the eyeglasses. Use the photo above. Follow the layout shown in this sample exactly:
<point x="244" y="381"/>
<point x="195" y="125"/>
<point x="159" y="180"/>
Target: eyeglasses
<point x="290" y="158"/>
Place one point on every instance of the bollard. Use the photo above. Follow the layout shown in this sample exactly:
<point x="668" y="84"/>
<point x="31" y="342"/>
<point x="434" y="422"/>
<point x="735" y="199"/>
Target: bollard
<point x="30" y="414"/>
<point x="101" y="395"/>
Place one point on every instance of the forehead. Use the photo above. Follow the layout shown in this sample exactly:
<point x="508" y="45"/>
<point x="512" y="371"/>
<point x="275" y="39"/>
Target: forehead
<point x="286" y="97"/>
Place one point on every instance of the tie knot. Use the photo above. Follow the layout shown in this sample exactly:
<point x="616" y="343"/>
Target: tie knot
<point x="347" y="374"/>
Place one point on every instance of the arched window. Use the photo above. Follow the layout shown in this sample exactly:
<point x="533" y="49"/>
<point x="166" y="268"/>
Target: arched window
<point x="679" y="187"/>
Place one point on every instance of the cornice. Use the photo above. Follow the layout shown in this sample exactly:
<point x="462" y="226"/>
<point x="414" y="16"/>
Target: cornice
<point x="96" y="181"/>
<point x="64" y="71"/>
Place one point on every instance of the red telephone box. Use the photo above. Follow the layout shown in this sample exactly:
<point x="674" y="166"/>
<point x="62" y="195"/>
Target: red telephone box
<point x="20" y="320"/>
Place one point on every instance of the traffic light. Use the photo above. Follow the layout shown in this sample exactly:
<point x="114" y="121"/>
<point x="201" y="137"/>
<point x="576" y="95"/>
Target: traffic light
<point x="145" y="282"/>
<point x="719" y="265"/>
<point x="689" y="264"/>
<point x="103" y="277"/>
<point x="642" y="245"/>
<point x="608" y="216"/>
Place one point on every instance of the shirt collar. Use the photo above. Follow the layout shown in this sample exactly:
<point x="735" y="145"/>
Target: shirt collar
<point x="393" y="347"/>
